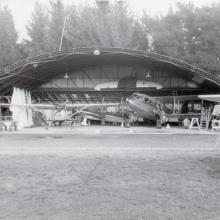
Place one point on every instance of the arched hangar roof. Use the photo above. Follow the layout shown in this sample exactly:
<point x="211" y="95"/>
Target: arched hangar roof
<point x="35" y="71"/>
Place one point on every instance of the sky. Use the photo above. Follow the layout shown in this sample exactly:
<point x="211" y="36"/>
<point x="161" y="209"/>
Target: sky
<point x="22" y="9"/>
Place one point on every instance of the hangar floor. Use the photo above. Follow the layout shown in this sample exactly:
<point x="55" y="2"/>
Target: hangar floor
<point x="75" y="176"/>
<point x="97" y="129"/>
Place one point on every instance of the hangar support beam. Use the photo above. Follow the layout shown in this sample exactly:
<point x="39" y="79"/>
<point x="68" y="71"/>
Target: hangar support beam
<point x="77" y="59"/>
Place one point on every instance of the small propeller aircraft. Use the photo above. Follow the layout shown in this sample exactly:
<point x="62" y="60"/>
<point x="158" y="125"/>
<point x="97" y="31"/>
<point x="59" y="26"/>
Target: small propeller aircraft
<point x="59" y="113"/>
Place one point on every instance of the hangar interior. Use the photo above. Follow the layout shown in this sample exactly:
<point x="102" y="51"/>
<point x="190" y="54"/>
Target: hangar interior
<point x="74" y="74"/>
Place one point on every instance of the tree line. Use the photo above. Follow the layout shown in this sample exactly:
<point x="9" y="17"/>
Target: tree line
<point x="188" y="33"/>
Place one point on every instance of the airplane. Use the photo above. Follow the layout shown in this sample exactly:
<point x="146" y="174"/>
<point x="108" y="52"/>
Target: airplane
<point x="152" y="108"/>
<point x="147" y="107"/>
<point x="128" y="83"/>
<point x="57" y="114"/>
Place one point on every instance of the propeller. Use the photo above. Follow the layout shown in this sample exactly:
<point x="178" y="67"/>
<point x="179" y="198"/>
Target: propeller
<point x="62" y="106"/>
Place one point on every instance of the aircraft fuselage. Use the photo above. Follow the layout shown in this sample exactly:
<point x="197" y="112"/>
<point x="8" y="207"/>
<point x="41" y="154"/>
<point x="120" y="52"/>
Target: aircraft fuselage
<point x="145" y="106"/>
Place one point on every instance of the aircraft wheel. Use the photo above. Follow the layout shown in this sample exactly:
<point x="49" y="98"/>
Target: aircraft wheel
<point x="158" y="124"/>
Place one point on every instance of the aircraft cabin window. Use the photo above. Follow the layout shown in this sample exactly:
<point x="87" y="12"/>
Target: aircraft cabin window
<point x="197" y="107"/>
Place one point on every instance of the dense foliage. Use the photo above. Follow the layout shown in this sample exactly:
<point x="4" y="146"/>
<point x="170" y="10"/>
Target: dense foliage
<point x="187" y="33"/>
<point x="9" y="50"/>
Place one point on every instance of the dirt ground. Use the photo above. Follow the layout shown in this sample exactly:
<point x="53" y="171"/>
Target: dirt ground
<point x="106" y="177"/>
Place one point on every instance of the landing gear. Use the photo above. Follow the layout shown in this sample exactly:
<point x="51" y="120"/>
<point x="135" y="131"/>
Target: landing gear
<point x="158" y="124"/>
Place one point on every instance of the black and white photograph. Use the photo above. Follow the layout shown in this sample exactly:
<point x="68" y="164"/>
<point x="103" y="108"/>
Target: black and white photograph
<point x="109" y="109"/>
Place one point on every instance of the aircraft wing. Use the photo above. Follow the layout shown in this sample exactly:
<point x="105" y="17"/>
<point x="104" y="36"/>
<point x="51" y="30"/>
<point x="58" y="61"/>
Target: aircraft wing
<point x="51" y="106"/>
<point x="40" y="106"/>
<point x="211" y="98"/>
<point x="76" y="105"/>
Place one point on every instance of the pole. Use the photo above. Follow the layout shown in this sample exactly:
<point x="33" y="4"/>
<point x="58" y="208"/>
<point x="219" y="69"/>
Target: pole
<point x="61" y="40"/>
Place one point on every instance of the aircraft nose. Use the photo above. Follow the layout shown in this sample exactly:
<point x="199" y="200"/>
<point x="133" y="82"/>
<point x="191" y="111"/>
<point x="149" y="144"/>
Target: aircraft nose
<point x="128" y="100"/>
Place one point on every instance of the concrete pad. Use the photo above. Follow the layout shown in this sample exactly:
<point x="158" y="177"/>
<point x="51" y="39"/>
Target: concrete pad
<point x="111" y="130"/>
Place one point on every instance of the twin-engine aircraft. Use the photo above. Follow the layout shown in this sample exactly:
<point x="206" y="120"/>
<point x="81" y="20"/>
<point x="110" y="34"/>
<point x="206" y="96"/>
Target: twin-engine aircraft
<point x="153" y="108"/>
<point x="146" y="106"/>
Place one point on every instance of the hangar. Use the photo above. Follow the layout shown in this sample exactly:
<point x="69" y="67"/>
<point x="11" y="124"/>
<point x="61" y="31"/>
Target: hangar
<point x="74" y="74"/>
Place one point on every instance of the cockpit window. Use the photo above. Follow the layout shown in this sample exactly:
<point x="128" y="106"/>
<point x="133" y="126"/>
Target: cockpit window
<point x="160" y="107"/>
<point x="136" y="96"/>
<point x="146" y="99"/>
